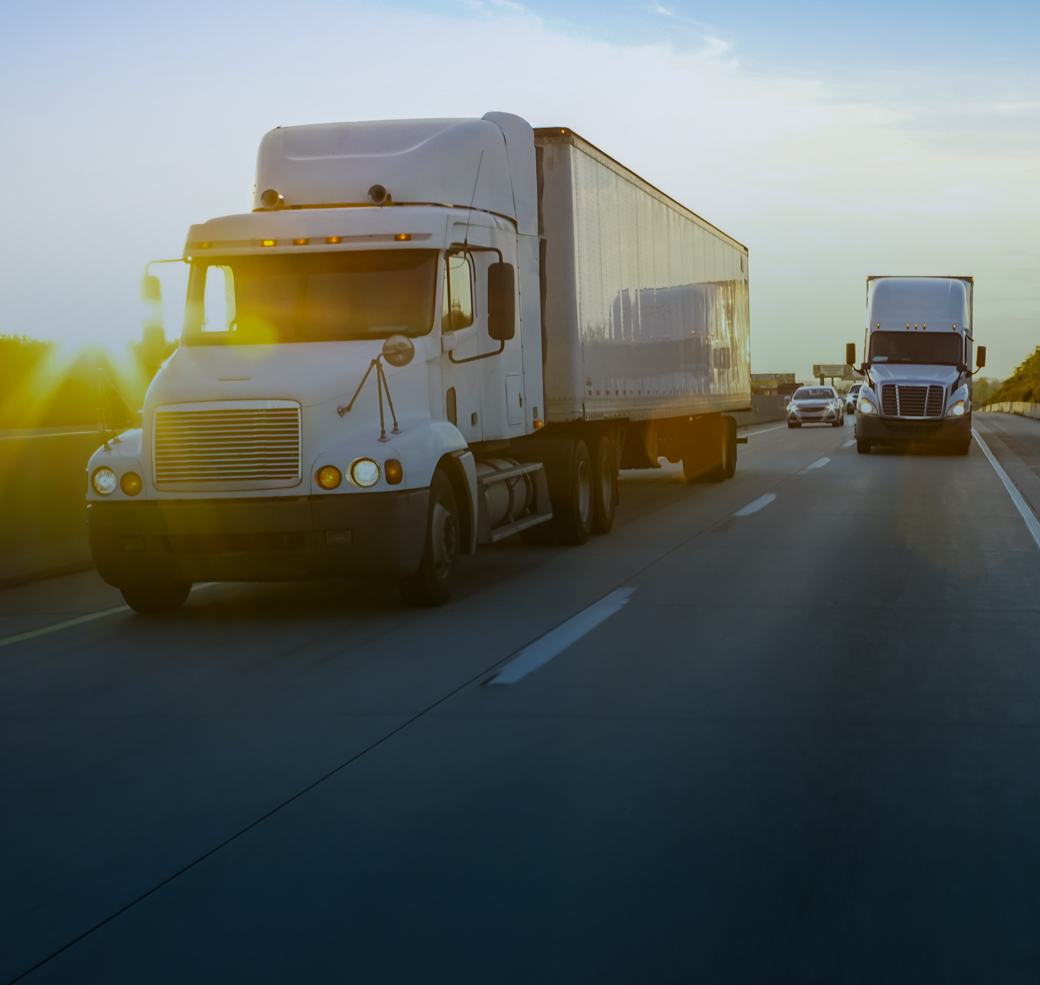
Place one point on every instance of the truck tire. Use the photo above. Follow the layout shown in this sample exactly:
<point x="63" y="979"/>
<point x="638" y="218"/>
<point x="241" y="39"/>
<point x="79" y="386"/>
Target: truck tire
<point x="730" y="462"/>
<point x="433" y="582"/>
<point x="863" y="447"/>
<point x="790" y="425"/>
<point x="727" y="467"/>
<point x="604" y="480"/>
<point x="149" y="596"/>
<point x="568" y="467"/>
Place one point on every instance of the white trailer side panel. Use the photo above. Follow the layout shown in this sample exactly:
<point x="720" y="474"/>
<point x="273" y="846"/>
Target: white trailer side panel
<point x="646" y="304"/>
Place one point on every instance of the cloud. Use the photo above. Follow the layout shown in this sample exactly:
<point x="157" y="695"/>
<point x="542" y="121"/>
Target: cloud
<point x="825" y="183"/>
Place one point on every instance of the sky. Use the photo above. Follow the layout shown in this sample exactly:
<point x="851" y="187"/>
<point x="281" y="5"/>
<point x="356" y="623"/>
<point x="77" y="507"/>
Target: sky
<point x="834" y="140"/>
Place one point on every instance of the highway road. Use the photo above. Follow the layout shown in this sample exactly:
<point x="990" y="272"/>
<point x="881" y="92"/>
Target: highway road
<point x="800" y="741"/>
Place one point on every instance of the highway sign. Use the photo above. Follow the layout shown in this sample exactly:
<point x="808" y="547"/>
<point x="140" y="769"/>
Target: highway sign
<point x="840" y="371"/>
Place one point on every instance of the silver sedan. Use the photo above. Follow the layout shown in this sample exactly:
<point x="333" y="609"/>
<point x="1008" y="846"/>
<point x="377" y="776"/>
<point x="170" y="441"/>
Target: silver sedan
<point x="816" y="405"/>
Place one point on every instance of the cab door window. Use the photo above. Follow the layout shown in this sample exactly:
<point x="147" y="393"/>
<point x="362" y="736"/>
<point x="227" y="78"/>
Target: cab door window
<point x="457" y="306"/>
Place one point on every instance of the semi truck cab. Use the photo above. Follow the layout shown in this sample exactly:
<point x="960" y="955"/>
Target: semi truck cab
<point x="918" y="348"/>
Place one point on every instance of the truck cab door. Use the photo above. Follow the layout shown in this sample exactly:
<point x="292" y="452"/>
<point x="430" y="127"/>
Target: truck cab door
<point x="461" y="335"/>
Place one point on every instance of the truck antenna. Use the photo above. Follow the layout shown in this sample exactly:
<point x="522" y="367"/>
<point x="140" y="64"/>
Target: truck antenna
<point x="472" y="199"/>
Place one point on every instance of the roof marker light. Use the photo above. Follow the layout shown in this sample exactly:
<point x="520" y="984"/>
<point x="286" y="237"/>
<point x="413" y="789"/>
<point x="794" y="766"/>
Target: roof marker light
<point x="300" y="242"/>
<point x="268" y="242"/>
<point x="203" y="246"/>
<point x="333" y="239"/>
<point x="403" y="237"/>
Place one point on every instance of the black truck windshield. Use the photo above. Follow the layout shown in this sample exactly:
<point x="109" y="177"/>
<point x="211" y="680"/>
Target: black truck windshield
<point x="926" y="348"/>
<point x="310" y="297"/>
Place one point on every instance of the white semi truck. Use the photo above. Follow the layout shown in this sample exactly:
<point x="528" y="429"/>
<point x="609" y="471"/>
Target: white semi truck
<point x="427" y="335"/>
<point x="917" y="355"/>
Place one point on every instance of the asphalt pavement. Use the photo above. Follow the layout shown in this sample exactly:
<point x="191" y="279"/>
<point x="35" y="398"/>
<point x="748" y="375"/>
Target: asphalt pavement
<point x="801" y="746"/>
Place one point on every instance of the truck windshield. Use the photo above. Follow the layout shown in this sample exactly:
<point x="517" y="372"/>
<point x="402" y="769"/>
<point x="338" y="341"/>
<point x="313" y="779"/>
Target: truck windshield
<point x="815" y="393"/>
<point x="310" y="297"/>
<point x="927" y="348"/>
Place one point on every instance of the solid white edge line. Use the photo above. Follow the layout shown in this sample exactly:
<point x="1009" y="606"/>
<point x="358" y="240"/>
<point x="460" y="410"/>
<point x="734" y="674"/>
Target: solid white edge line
<point x="79" y="620"/>
<point x="1016" y="496"/>
<point x="756" y="504"/>
<point x="553" y="643"/>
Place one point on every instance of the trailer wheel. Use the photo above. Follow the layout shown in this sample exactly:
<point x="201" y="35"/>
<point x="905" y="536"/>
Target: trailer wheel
<point x="149" y="596"/>
<point x="604" y="478"/>
<point x="727" y="467"/>
<point x="730" y="462"/>
<point x="433" y="582"/>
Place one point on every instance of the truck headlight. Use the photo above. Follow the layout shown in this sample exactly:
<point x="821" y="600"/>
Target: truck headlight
<point x="104" y="481"/>
<point x="866" y="407"/>
<point x="957" y="410"/>
<point x="364" y="472"/>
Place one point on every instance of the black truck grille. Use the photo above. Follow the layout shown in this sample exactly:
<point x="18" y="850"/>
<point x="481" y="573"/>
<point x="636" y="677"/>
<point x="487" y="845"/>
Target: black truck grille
<point x="911" y="401"/>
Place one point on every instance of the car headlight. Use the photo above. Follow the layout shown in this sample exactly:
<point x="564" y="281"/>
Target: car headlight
<point x="959" y="409"/>
<point x="866" y="407"/>
<point x="364" y="472"/>
<point x="104" y="481"/>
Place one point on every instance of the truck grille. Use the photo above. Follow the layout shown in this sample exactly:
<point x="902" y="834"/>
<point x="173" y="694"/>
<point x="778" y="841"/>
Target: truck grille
<point x="259" y="445"/>
<point x="911" y="401"/>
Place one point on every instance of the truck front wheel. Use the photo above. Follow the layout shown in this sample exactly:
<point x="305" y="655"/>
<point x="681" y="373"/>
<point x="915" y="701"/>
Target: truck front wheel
<point x="433" y="582"/>
<point x="152" y="595"/>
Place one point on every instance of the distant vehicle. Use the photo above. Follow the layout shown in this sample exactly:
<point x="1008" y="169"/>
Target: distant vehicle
<point x="917" y="363"/>
<point x="816" y="405"/>
<point x="850" y="398"/>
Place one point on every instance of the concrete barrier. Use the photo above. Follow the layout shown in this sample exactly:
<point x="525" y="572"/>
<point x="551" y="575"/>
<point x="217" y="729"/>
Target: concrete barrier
<point x="43" y="521"/>
<point x="764" y="409"/>
<point x="1019" y="407"/>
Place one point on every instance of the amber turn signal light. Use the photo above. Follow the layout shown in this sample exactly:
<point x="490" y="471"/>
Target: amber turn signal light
<point x="131" y="483"/>
<point x="393" y="471"/>
<point x="329" y="477"/>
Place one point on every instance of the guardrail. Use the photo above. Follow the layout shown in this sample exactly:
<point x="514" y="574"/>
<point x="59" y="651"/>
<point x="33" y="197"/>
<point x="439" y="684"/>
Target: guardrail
<point x="43" y="519"/>
<point x="1019" y="407"/>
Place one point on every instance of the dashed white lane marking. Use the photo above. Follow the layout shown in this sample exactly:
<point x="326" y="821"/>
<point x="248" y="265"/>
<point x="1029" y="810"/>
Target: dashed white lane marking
<point x="849" y="443"/>
<point x="1016" y="496"/>
<point x="818" y="464"/>
<point x="542" y="650"/>
<point x="751" y="434"/>
<point x="756" y="504"/>
<point x="79" y="620"/>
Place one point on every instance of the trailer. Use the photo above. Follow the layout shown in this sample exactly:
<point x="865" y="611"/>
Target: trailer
<point x="427" y="335"/>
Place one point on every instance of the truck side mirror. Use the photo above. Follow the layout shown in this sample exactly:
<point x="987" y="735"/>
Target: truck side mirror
<point x="980" y="357"/>
<point x="501" y="301"/>
<point x="850" y="354"/>
<point x="152" y="333"/>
